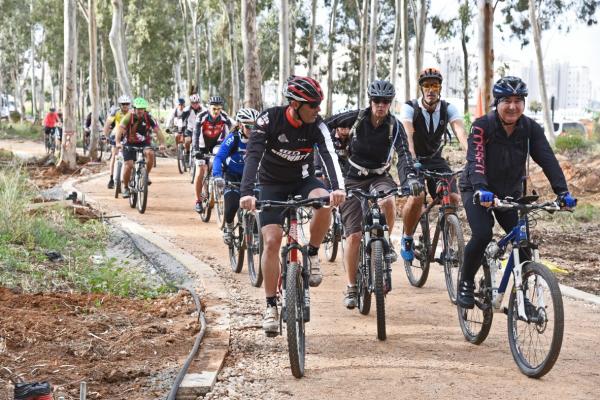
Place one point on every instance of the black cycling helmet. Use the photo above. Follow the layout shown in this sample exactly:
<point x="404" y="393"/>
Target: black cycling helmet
<point x="430" y="73"/>
<point x="509" y="86"/>
<point x="216" y="101"/>
<point x="52" y="109"/>
<point x="181" y="101"/>
<point x="381" y="89"/>
<point x="303" y="89"/>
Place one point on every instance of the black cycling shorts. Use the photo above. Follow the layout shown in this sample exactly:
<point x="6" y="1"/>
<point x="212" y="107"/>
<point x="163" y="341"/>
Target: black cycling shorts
<point x="281" y="192"/>
<point x="129" y="152"/>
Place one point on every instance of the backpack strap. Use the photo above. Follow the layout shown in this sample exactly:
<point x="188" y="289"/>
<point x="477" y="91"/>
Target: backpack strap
<point x="359" y="119"/>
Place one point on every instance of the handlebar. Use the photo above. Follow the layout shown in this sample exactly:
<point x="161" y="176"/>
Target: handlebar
<point x="437" y="174"/>
<point x="509" y="204"/>
<point x="400" y="192"/>
<point x="316" y="202"/>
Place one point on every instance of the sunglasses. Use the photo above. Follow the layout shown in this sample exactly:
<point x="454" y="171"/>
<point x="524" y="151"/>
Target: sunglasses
<point x="314" y="104"/>
<point x="216" y="108"/>
<point x="248" y="126"/>
<point x="381" y="100"/>
<point x="125" y="104"/>
<point x="433" y="86"/>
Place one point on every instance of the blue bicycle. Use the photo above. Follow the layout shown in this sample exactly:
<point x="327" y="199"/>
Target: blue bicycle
<point x="535" y="309"/>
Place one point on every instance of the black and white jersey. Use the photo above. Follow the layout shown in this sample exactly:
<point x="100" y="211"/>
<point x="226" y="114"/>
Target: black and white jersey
<point x="189" y="118"/>
<point x="283" y="153"/>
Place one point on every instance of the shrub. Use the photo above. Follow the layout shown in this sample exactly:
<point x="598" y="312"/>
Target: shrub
<point x="571" y="142"/>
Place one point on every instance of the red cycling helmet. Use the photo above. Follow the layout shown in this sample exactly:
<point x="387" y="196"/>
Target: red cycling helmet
<point x="303" y="89"/>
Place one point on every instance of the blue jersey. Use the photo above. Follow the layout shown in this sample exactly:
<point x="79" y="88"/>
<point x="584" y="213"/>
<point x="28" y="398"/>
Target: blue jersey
<point x="230" y="157"/>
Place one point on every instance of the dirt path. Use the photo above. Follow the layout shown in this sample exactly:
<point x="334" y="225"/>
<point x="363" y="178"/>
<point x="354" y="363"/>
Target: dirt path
<point x="424" y="357"/>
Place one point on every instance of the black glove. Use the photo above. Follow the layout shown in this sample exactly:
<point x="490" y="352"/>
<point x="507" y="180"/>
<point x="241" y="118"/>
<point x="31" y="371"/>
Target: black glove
<point x="415" y="187"/>
<point x="198" y="155"/>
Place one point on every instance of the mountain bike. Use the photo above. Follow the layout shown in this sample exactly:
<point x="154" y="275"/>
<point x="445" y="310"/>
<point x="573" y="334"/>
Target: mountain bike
<point x="294" y="289"/>
<point x="374" y="272"/>
<point x="49" y="142"/>
<point x="535" y="309"/>
<point x="453" y="242"/>
<point x="182" y="160"/>
<point x="334" y="235"/>
<point x="138" y="183"/>
<point x="118" y="173"/>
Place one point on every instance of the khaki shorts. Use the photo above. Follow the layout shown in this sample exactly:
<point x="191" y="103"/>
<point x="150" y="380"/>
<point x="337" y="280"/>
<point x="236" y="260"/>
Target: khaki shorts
<point x="352" y="215"/>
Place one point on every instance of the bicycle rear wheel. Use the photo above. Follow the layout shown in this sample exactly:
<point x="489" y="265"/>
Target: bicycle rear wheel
<point x="236" y="250"/>
<point x="117" y="178"/>
<point x="206" y="207"/>
<point x="417" y="270"/>
<point x="254" y="248"/>
<point x="142" y="190"/>
<point x="452" y="256"/>
<point x="362" y="284"/>
<point x="181" y="158"/>
<point x="377" y="263"/>
<point x="535" y="344"/>
<point x="476" y="323"/>
<point x="331" y="240"/>
<point x="294" y="298"/>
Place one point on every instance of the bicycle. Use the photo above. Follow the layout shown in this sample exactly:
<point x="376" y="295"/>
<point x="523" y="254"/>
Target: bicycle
<point x="182" y="162"/>
<point x="49" y="142"/>
<point x="374" y="272"/>
<point x="293" y="280"/>
<point x="118" y="168"/>
<point x="535" y="301"/>
<point x="333" y="236"/>
<point x="453" y="242"/>
<point x="138" y="183"/>
<point x="208" y="189"/>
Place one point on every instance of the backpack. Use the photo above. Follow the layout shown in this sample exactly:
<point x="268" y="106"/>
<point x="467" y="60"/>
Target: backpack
<point x="131" y="133"/>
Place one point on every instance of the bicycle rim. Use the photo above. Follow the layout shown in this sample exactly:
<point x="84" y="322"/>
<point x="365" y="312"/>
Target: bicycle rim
<point x="254" y="249"/>
<point x="476" y="323"/>
<point x="377" y="264"/>
<point x="220" y="203"/>
<point x="180" y="159"/>
<point x="132" y="190"/>
<point x="417" y="270"/>
<point x="362" y="285"/>
<point x="294" y="295"/>
<point x="117" y="179"/>
<point x="535" y="344"/>
<point x="453" y="252"/>
<point x="142" y="187"/>
<point x="206" y="208"/>
<point x="331" y="240"/>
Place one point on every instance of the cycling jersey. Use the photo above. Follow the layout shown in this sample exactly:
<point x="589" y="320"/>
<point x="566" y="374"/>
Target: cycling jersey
<point x="230" y="156"/>
<point x="496" y="161"/>
<point x="371" y="148"/>
<point x="188" y="118"/>
<point x="209" y="130"/>
<point x="341" y="146"/>
<point x="116" y="117"/>
<point x="175" y="119"/>
<point x="138" y="130"/>
<point x="285" y="152"/>
<point x="51" y="120"/>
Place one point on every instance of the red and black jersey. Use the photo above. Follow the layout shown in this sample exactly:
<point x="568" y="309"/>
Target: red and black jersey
<point x="285" y="152"/>
<point x="209" y="130"/>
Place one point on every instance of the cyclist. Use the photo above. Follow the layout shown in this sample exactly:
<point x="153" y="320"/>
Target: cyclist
<point x="425" y="122"/>
<point x="112" y="125"/>
<point x="87" y="126"/>
<point x="136" y="130"/>
<point x="374" y="135"/>
<point x="51" y="121"/>
<point x="188" y="121"/>
<point x="175" y="123"/>
<point x="281" y="150"/>
<point x="499" y="146"/>
<point x="229" y="165"/>
<point x="210" y="129"/>
<point x="340" y="137"/>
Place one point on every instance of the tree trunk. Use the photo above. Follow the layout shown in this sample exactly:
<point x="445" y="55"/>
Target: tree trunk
<point x="209" y="59"/>
<point x="284" y="48"/>
<point x="486" y="52"/>
<point x="292" y="17"/>
<point x="180" y="92"/>
<point x="68" y="153"/>
<point x="235" y="77"/>
<point x="330" y="58"/>
<point x="364" y="17"/>
<point x="421" y="28"/>
<point x="93" y="83"/>
<point x="115" y="38"/>
<point x="405" y="50"/>
<point x="42" y="97"/>
<point x="463" y="41"/>
<point x="194" y="18"/>
<point x="373" y="42"/>
<point x="32" y="63"/>
<point x="188" y="56"/>
<point x="252" y="74"/>
<point x="537" y="38"/>
<point x="396" y="44"/>
<point x="311" y="38"/>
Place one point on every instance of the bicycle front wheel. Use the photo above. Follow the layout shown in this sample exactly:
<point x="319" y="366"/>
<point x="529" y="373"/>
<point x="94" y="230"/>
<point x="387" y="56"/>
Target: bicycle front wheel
<point x="220" y="205"/>
<point x="331" y="240"/>
<point x="206" y="207"/>
<point x="417" y="270"/>
<point x="180" y="158"/>
<point x="535" y="344"/>
<point x="294" y="298"/>
<point x="254" y="249"/>
<point x="362" y="284"/>
<point x="377" y="264"/>
<point x="236" y="250"/>
<point x="453" y="253"/>
<point x="142" y="190"/>
<point x="117" y="178"/>
<point x="475" y="323"/>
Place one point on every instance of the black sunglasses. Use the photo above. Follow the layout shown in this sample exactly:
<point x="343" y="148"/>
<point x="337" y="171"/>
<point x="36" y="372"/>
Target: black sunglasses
<point x="379" y="100"/>
<point x="314" y="104"/>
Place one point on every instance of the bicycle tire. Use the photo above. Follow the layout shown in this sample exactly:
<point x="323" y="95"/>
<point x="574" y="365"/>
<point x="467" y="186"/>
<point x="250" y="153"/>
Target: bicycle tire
<point x="476" y="323"/>
<point x="236" y="248"/>
<point x="254" y="248"/>
<point x="206" y="208"/>
<point x="100" y="150"/>
<point x="377" y="263"/>
<point x="180" y="158"/>
<point x="331" y="239"/>
<point x="117" y="179"/>
<point x="417" y="275"/>
<point x="362" y="284"/>
<point x="133" y="190"/>
<point x="220" y="206"/>
<point x="193" y="172"/>
<point x="294" y="297"/>
<point x="142" y="190"/>
<point x="452" y="257"/>
<point x="552" y="288"/>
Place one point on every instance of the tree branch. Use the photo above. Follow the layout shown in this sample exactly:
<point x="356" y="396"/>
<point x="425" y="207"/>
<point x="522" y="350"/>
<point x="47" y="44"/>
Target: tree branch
<point x="83" y="10"/>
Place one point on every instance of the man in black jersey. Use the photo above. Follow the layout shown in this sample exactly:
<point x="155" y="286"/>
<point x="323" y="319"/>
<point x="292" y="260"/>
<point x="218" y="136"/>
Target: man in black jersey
<point x="281" y="151"/>
<point x="374" y="135"/>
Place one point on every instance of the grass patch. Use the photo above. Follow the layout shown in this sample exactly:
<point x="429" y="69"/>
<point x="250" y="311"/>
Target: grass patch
<point x="571" y="142"/>
<point x="587" y="213"/>
<point x="21" y="130"/>
<point x="25" y="238"/>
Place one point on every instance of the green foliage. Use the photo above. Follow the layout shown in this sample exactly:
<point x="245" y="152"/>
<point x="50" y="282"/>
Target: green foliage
<point x="586" y="213"/>
<point x="535" y="106"/>
<point x="571" y="142"/>
<point x="23" y="130"/>
<point x="468" y="120"/>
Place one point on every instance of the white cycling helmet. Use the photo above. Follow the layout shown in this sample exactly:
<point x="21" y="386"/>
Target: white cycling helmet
<point x="124" y="99"/>
<point x="194" y="98"/>
<point x="247" y="115"/>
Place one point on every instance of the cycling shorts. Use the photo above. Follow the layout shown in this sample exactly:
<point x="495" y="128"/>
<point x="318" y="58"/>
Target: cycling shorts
<point x="130" y="153"/>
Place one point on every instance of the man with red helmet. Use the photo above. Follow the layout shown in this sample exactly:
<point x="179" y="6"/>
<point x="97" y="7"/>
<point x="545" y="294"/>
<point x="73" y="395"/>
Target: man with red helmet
<point x="281" y="151"/>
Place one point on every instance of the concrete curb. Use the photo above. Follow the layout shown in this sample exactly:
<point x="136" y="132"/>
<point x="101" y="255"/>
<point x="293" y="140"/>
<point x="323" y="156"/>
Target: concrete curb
<point x="215" y="346"/>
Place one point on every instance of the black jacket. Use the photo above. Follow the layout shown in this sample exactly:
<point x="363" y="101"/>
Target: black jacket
<point x="497" y="162"/>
